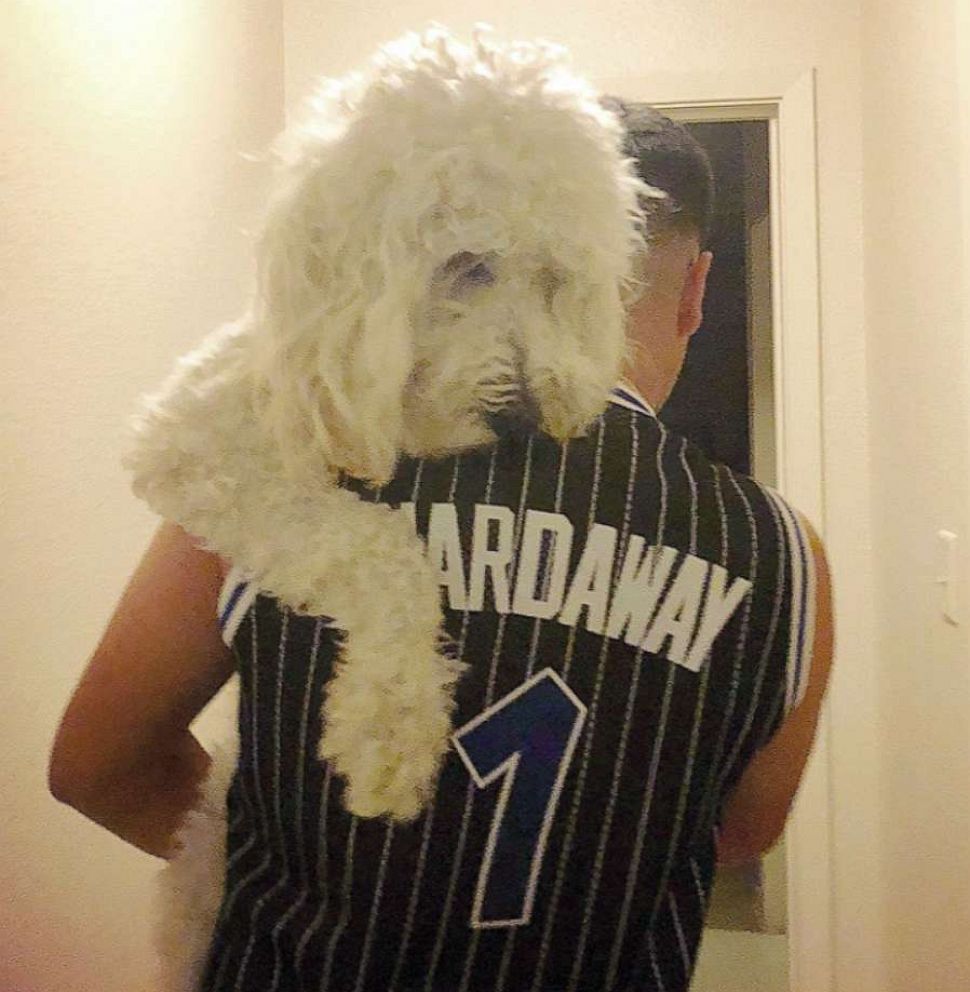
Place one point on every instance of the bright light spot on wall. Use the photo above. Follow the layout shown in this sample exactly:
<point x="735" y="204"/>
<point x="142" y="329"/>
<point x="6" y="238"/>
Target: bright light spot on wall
<point x="127" y="50"/>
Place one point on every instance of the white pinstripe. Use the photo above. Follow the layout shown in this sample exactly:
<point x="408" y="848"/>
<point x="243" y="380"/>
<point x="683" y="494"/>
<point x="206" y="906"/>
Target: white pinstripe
<point x="624" y="733"/>
<point x="470" y="959"/>
<point x="413" y="899"/>
<point x="796" y="599"/>
<point x="236" y="820"/>
<point x="240" y="815"/>
<point x="692" y="483"/>
<point x="701" y="896"/>
<point x="811" y="610"/>
<point x="489" y="697"/>
<point x="594" y="496"/>
<point x="345" y="892"/>
<point x="589" y="731"/>
<point x="503" y="970"/>
<point x="777" y="708"/>
<point x="653" y="962"/>
<point x="740" y="649"/>
<point x="253" y="833"/>
<point x="260" y="868"/>
<point x="221" y="972"/>
<point x="284" y="877"/>
<point x="236" y="855"/>
<point x="537" y="625"/>
<point x="304" y="721"/>
<point x="711" y="792"/>
<point x="803" y="606"/>
<point x="375" y="907"/>
<point x="654" y="758"/>
<point x="698" y="711"/>
<point x="662" y="521"/>
<point x="767" y="651"/>
<point x="323" y="868"/>
<point x="684" y="953"/>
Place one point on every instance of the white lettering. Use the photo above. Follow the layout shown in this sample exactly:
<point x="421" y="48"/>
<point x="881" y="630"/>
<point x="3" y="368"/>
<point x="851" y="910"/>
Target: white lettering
<point x="642" y="580"/>
<point x="717" y="611"/>
<point x="542" y="602"/>
<point x="486" y="558"/>
<point x="444" y="550"/>
<point x="545" y="588"/>
<point x="678" y="612"/>
<point x="591" y="583"/>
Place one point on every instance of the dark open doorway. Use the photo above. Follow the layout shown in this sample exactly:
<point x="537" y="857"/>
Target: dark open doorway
<point x="719" y="400"/>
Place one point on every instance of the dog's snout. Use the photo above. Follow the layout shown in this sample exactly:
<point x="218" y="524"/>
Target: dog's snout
<point x="519" y="416"/>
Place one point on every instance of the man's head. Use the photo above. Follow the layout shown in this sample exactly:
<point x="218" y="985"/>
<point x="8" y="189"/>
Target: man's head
<point x="675" y="269"/>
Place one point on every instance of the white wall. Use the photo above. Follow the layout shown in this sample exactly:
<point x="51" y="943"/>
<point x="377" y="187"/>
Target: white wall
<point x="614" y="38"/>
<point x="121" y="202"/>
<point x="916" y="299"/>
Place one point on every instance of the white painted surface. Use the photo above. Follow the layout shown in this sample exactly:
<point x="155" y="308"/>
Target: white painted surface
<point x="917" y="305"/>
<point x="122" y="196"/>
<point x="734" y="961"/>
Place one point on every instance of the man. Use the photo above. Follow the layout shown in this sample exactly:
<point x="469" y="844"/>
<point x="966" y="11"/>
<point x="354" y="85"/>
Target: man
<point x="647" y="640"/>
<point x="661" y="325"/>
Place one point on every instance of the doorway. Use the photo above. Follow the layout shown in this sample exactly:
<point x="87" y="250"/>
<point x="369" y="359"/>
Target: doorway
<point x="724" y="402"/>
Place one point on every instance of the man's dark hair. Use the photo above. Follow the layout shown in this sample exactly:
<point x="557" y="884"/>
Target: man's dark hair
<point x="668" y="157"/>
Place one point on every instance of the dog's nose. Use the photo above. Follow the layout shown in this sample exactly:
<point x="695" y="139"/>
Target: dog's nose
<point x="519" y="419"/>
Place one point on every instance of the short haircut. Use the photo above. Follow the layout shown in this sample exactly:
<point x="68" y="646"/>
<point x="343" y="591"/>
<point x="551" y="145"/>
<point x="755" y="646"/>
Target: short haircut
<point x="669" y="158"/>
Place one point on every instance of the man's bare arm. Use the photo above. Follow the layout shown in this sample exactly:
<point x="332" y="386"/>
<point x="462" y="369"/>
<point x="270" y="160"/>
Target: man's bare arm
<point x="757" y="810"/>
<point x="123" y="755"/>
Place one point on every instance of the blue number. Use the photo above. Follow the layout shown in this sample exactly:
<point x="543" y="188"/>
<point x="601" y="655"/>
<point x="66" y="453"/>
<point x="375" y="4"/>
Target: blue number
<point x="529" y="738"/>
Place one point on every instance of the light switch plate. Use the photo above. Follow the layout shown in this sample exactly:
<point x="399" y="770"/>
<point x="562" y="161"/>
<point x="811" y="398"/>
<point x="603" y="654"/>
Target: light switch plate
<point x="948" y="574"/>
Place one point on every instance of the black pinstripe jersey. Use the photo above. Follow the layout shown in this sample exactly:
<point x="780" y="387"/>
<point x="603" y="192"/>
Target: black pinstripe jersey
<point x="637" y="621"/>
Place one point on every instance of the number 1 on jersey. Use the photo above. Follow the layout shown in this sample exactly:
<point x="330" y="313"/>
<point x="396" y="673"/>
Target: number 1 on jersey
<point x="528" y="737"/>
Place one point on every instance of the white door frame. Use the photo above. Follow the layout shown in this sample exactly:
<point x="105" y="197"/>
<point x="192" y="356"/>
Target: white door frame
<point x="786" y="100"/>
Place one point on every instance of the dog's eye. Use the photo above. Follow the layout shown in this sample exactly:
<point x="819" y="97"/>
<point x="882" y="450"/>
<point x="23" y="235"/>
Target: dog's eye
<point x="480" y="275"/>
<point x="465" y="271"/>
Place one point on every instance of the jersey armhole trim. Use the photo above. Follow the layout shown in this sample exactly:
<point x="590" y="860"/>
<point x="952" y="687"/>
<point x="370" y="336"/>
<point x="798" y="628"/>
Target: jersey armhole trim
<point x="235" y="599"/>
<point x="801" y="633"/>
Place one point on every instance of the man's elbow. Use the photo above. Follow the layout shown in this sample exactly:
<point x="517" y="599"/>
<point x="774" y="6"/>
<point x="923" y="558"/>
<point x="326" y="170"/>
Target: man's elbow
<point x="60" y="783"/>
<point x="75" y="768"/>
<point x="66" y="779"/>
<point x="740" y="843"/>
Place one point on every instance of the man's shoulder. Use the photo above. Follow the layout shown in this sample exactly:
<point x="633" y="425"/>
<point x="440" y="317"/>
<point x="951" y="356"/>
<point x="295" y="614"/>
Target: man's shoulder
<point x="686" y="465"/>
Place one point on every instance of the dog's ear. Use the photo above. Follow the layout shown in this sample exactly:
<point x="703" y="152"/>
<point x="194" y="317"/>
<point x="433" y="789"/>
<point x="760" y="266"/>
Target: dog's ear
<point x="574" y="345"/>
<point x="338" y="277"/>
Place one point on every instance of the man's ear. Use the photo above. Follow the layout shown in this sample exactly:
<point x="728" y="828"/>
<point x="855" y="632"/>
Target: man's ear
<point x="691" y="311"/>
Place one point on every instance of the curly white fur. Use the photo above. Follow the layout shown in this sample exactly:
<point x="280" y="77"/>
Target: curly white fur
<point x="452" y="234"/>
<point x="188" y="890"/>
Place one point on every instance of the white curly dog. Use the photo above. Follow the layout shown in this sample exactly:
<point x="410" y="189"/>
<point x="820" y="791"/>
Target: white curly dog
<point x="453" y="236"/>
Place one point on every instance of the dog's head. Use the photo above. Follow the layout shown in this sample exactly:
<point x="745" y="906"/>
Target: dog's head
<point x="448" y="248"/>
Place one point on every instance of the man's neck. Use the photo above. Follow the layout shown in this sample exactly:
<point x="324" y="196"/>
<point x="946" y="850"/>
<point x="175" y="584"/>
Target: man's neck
<point x="644" y="380"/>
